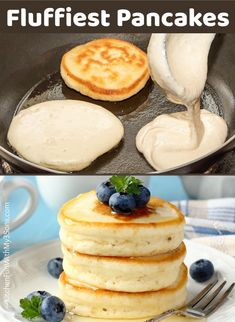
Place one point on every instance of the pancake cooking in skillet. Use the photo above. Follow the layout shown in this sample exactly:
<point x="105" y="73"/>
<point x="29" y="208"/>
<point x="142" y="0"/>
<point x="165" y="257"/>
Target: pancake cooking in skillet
<point x="105" y="69"/>
<point x="66" y="135"/>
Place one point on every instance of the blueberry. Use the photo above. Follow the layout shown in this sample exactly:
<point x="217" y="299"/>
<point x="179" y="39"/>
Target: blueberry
<point x="143" y="198"/>
<point x="104" y="191"/>
<point x="41" y="294"/>
<point x="52" y="309"/>
<point x="55" y="267"/>
<point x="202" y="270"/>
<point x="122" y="203"/>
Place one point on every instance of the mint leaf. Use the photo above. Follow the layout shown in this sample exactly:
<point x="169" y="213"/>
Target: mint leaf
<point x="133" y="185"/>
<point x="31" y="307"/>
<point x="118" y="182"/>
<point x="126" y="184"/>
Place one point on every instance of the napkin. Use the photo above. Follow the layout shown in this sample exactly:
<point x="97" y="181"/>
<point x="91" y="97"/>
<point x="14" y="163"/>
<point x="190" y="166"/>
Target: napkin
<point x="208" y="217"/>
<point x="225" y="244"/>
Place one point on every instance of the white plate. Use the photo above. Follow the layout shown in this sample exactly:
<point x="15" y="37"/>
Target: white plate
<point x="28" y="269"/>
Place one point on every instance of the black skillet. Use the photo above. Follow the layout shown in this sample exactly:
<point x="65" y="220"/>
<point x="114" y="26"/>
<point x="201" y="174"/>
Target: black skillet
<point x="30" y="74"/>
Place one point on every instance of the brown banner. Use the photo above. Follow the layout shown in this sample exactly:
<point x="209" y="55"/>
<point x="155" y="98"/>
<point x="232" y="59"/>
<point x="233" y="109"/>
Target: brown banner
<point x="117" y="16"/>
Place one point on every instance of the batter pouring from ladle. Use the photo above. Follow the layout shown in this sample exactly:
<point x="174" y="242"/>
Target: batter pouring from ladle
<point x="178" y="63"/>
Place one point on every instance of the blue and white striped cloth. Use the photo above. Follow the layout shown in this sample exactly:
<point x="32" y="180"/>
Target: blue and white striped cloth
<point x="208" y="217"/>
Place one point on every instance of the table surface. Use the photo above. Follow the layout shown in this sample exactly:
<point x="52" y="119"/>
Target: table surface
<point x="43" y="226"/>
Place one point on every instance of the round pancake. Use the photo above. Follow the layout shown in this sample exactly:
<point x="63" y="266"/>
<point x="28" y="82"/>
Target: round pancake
<point x="90" y="227"/>
<point x="105" y="69"/>
<point x="66" y="135"/>
<point x="133" y="274"/>
<point x="86" y="301"/>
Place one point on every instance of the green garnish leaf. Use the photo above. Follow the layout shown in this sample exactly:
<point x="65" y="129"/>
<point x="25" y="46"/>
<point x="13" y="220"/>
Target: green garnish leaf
<point x="126" y="184"/>
<point x="31" y="308"/>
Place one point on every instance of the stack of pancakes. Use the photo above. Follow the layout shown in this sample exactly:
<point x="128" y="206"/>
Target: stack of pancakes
<point x="121" y="267"/>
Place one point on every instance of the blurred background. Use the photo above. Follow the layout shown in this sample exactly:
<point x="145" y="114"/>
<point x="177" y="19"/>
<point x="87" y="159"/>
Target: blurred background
<point x="29" y="204"/>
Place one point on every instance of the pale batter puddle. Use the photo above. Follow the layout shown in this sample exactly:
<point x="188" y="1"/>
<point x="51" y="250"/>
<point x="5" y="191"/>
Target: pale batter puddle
<point x="62" y="127"/>
<point x="178" y="63"/>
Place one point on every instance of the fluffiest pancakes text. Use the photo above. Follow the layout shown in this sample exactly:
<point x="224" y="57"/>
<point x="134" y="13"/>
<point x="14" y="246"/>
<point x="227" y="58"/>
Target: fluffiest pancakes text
<point x="67" y="17"/>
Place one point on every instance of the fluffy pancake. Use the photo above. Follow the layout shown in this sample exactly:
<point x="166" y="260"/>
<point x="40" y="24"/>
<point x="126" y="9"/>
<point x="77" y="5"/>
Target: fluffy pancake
<point x="133" y="274"/>
<point x="105" y="69"/>
<point x="90" y="227"/>
<point x="65" y="135"/>
<point x="86" y="301"/>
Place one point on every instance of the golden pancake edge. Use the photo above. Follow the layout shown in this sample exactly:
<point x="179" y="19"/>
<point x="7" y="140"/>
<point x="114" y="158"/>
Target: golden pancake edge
<point x="106" y="69"/>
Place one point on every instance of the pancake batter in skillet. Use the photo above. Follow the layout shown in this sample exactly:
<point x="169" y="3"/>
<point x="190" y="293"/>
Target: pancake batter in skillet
<point x="178" y="63"/>
<point x="66" y="135"/>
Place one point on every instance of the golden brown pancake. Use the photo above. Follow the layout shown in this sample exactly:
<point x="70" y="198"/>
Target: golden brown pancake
<point x="106" y="69"/>
<point x="124" y="274"/>
<point x="90" y="227"/>
<point x="86" y="301"/>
